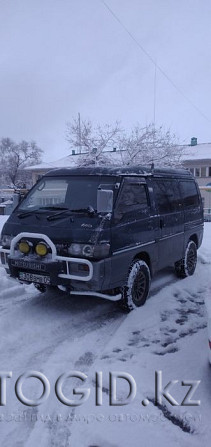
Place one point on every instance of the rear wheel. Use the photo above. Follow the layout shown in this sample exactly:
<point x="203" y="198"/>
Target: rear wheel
<point x="187" y="265"/>
<point x="136" y="290"/>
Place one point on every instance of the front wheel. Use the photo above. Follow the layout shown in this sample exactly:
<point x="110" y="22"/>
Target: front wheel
<point x="51" y="289"/>
<point x="136" y="289"/>
<point x="187" y="265"/>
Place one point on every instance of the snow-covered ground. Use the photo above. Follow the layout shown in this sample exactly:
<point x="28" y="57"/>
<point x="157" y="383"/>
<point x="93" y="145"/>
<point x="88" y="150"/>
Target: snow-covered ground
<point x="56" y="333"/>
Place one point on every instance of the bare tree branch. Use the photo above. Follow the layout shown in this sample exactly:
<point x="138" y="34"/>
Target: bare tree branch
<point x="93" y="141"/>
<point x="146" y="145"/>
<point x="15" y="156"/>
<point x="142" y="146"/>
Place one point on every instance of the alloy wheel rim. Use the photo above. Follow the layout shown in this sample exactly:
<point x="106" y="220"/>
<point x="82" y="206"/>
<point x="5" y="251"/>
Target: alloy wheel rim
<point x="191" y="260"/>
<point x="139" y="287"/>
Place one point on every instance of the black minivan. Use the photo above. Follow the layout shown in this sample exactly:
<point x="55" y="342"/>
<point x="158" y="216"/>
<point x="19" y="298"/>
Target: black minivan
<point x="104" y="231"/>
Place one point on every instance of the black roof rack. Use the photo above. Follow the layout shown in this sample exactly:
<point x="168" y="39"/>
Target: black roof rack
<point x="119" y="171"/>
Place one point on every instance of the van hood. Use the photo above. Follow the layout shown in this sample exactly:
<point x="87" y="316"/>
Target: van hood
<point x="75" y="228"/>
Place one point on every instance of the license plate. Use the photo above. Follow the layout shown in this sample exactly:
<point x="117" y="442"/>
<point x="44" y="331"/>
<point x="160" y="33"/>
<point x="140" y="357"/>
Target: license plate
<point x="32" y="277"/>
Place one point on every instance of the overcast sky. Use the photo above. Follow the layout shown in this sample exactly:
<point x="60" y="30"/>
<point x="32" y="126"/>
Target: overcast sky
<point x="61" y="57"/>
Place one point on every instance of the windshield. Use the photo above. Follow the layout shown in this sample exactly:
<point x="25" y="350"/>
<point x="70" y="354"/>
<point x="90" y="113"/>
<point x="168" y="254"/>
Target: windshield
<point x="72" y="193"/>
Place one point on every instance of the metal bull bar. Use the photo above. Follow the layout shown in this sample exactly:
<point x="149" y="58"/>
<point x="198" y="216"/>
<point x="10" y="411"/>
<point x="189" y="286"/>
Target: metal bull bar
<point x="54" y="256"/>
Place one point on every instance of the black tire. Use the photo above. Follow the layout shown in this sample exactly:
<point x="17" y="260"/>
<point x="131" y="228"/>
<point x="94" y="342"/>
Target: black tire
<point x="51" y="289"/>
<point x="56" y="290"/>
<point x="41" y="287"/>
<point x="186" y="266"/>
<point x="136" y="290"/>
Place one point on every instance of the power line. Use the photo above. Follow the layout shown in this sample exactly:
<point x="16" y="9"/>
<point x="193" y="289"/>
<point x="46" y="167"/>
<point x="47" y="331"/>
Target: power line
<point x="154" y="62"/>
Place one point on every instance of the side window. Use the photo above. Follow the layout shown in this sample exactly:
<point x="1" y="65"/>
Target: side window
<point x="190" y="195"/>
<point x="203" y="171"/>
<point x="133" y="199"/>
<point x="167" y="195"/>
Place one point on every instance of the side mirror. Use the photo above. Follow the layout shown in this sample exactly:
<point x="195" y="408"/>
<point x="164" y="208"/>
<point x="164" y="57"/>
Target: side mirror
<point x="104" y="201"/>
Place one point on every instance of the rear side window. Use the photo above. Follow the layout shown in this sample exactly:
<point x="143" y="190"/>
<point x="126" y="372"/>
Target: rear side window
<point x="190" y="195"/>
<point x="167" y="195"/>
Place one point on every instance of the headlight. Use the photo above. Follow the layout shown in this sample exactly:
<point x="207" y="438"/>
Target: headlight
<point x="41" y="249"/>
<point x="6" y="240"/>
<point x="75" y="249"/>
<point x="88" y="250"/>
<point x="98" y="251"/>
<point x="24" y="247"/>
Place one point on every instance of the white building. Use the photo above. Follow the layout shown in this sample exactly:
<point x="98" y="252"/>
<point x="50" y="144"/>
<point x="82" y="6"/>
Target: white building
<point x="197" y="158"/>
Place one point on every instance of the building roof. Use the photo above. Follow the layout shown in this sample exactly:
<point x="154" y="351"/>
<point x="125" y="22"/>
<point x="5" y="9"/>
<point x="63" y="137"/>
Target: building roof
<point x="199" y="152"/>
<point x="191" y="153"/>
<point x="70" y="161"/>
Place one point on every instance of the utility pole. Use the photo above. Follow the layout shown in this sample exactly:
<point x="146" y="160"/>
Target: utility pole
<point x="79" y="132"/>
<point x="155" y="87"/>
<point x="154" y="108"/>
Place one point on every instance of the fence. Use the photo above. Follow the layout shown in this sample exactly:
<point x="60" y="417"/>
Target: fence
<point x="207" y="214"/>
<point x="8" y="199"/>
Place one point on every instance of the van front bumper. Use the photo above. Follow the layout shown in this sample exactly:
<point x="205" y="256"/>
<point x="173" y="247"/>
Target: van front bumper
<point x="78" y="274"/>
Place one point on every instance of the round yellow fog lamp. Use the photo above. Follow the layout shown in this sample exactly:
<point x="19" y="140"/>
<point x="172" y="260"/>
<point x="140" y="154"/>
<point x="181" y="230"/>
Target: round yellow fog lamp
<point x="41" y="249"/>
<point x="24" y="247"/>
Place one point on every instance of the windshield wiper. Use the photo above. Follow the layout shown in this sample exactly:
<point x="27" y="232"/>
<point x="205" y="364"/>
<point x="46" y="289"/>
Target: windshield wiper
<point x="62" y="211"/>
<point x="59" y="215"/>
<point x="39" y="210"/>
<point x="90" y="210"/>
<point x="27" y="213"/>
<point x="66" y="211"/>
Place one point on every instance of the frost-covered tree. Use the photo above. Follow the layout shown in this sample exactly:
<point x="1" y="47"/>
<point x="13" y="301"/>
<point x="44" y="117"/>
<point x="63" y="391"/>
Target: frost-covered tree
<point x="141" y="146"/>
<point x="92" y="141"/>
<point x="147" y="145"/>
<point x="14" y="157"/>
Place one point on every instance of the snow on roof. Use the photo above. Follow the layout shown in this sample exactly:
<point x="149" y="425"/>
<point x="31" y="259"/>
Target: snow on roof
<point x="199" y="152"/>
<point x="69" y="161"/>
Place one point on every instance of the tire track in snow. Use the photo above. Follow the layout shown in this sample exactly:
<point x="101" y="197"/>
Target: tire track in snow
<point x="65" y="323"/>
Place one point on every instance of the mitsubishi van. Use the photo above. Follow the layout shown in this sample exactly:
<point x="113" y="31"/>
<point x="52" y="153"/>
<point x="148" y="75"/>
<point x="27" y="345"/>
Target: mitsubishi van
<point x="104" y="231"/>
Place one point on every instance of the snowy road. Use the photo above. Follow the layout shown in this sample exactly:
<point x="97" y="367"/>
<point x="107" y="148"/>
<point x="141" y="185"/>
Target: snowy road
<point x="54" y="334"/>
